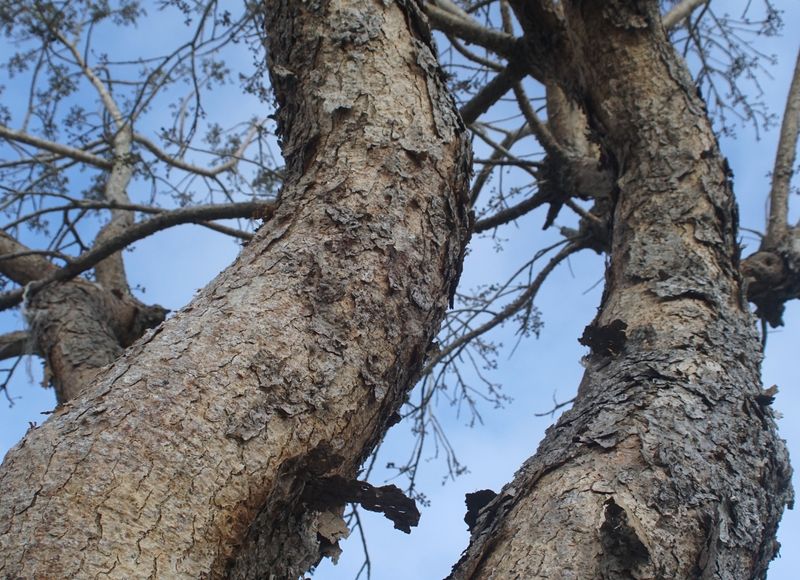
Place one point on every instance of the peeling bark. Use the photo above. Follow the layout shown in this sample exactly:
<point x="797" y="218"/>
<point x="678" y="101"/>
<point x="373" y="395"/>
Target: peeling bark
<point x="188" y="457"/>
<point x="669" y="464"/>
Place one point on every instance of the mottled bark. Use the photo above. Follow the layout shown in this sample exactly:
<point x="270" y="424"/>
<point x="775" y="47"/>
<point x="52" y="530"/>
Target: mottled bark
<point x="668" y="465"/>
<point x="80" y="327"/>
<point x="77" y="326"/>
<point x="189" y="456"/>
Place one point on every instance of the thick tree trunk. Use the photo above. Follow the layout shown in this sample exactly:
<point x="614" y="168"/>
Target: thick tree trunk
<point x="668" y="465"/>
<point x="189" y="455"/>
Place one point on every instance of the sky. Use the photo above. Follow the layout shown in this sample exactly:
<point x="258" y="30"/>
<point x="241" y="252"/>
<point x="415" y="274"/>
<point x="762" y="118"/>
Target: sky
<point x="174" y="264"/>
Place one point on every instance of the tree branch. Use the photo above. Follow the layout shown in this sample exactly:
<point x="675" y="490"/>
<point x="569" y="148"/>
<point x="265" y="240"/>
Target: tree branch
<point x="680" y="11"/>
<point x="509" y="214"/>
<point x="197" y="170"/>
<point x="511" y="308"/>
<point x="492" y="91"/>
<point x="57" y="148"/>
<point x="543" y="134"/>
<point x="497" y="155"/>
<point x="25" y="268"/>
<point x="135" y="233"/>
<point x="102" y="91"/>
<point x="14" y="344"/>
<point x="778" y="226"/>
<point x="470" y="31"/>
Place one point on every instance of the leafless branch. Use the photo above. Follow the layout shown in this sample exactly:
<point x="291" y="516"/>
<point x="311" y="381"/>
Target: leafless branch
<point x="13" y="344"/>
<point x="57" y="148"/>
<point x="782" y="173"/>
<point x="135" y="233"/>
<point x="497" y="155"/>
<point x="680" y="11"/>
<point x="509" y="214"/>
<point x="25" y="268"/>
<point x="556" y="407"/>
<point x="471" y="31"/>
<point x="195" y="169"/>
<point x="492" y="91"/>
<point x="548" y="142"/>
<point x="510" y="309"/>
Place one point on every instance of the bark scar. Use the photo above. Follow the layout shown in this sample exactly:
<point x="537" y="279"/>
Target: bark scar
<point x="623" y="551"/>
<point x="606" y="340"/>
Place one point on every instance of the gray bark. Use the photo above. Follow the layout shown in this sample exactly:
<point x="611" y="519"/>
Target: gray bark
<point x="189" y="456"/>
<point x="669" y="464"/>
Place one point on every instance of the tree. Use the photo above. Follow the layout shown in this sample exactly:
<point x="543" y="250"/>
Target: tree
<point x="227" y="440"/>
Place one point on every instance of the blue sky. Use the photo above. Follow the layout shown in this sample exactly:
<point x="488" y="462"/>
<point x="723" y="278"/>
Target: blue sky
<point x="174" y="264"/>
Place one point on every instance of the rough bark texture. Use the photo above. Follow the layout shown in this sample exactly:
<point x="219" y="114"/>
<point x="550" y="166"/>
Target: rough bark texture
<point x="189" y="456"/>
<point x="79" y="327"/>
<point x="668" y="465"/>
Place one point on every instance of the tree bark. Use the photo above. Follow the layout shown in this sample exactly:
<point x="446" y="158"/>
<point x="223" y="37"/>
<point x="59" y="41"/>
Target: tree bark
<point x="78" y="327"/>
<point x="189" y="456"/>
<point x="668" y="465"/>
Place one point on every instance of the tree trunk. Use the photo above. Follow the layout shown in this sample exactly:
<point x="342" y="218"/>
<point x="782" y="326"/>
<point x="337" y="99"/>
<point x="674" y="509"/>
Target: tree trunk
<point x="668" y="465"/>
<point x="188" y="457"/>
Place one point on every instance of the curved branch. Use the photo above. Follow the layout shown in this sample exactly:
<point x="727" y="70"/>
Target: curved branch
<point x="492" y="91"/>
<point x="102" y="91"/>
<point x="27" y="266"/>
<point x="85" y="204"/>
<point x="543" y="134"/>
<point x="470" y="31"/>
<point x="509" y="214"/>
<point x="497" y="155"/>
<point x="134" y="233"/>
<point x="196" y="169"/>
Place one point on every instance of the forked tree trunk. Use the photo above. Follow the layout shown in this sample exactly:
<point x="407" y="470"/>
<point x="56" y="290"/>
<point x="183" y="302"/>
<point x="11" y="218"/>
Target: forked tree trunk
<point x="668" y="465"/>
<point x="188" y="457"/>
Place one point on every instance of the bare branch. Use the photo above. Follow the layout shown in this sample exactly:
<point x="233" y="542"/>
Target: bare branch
<point x="57" y="148"/>
<point x="492" y="91"/>
<point x="778" y="226"/>
<point x="451" y="6"/>
<point x="196" y="169"/>
<point x="550" y="145"/>
<point x="680" y="11"/>
<point x="15" y="344"/>
<point x="82" y="204"/>
<point x="27" y="266"/>
<point x="102" y="91"/>
<point x="512" y="308"/>
<point x="497" y="155"/>
<point x="136" y="232"/>
<point x="470" y="31"/>
<point x="556" y="407"/>
<point x="509" y="214"/>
